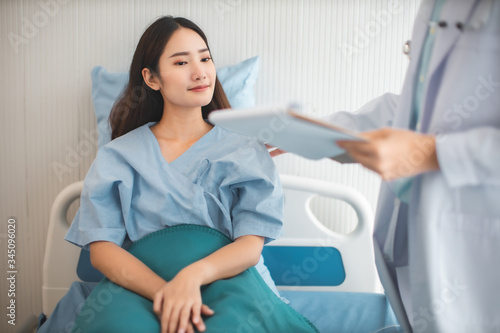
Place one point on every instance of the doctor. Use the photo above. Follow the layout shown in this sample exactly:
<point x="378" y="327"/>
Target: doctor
<point x="437" y="228"/>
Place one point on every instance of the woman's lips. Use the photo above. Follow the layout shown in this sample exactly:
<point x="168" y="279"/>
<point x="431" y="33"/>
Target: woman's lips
<point x="199" y="88"/>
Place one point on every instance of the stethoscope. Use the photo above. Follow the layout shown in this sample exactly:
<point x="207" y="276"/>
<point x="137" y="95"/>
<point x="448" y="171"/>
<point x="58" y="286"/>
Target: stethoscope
<point x="477" y="20"/>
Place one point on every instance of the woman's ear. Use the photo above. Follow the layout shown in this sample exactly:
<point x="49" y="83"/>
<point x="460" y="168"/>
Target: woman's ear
<point x="150" y="79"/>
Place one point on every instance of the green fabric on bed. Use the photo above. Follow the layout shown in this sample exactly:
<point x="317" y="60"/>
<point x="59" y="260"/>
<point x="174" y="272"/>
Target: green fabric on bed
<point x="243" y="303"/>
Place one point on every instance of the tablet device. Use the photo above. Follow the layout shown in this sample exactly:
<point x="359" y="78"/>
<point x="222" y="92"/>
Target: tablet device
<point x="283" y="126"/>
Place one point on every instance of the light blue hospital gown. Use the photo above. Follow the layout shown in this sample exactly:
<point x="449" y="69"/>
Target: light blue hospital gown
<point x="225" y="181"/>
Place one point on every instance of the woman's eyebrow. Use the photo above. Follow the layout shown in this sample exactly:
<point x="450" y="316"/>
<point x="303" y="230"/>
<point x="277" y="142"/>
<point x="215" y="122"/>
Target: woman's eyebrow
<point x="185" y="53"/>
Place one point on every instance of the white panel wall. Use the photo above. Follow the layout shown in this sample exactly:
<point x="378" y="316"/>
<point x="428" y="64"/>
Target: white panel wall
<point x="330" y="55"/>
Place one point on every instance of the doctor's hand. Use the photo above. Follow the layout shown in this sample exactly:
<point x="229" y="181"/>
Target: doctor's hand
<point x="274" y="151"/>
<point x="394" y="153"/>
<point x="178" y="304"/>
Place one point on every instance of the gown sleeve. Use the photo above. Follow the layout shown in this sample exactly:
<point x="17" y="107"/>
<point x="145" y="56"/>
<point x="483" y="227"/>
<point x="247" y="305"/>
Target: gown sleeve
<point x="103" y="198"/>
<point x="258" y="209"/>
<point x="470" y="158"/>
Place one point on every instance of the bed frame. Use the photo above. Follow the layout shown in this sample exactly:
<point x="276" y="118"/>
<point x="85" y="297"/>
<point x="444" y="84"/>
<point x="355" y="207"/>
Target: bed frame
<point x="339" y="262"/>
<point x="308" y="249"/>
<point x="61" y="258"/>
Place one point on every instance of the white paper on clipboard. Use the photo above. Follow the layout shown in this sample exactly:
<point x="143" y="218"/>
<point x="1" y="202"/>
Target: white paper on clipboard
<point x="283" y="126"/>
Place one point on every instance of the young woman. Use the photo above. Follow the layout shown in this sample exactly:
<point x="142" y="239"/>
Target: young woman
<point x="167" y="166"/>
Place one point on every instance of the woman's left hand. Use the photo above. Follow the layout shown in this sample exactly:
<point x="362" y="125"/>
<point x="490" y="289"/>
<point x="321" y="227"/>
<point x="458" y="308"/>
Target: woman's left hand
<point x="394" y="153"/>
<point x="178" y="304"/>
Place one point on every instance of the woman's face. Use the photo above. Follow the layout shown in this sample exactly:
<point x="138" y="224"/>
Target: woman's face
<point x="186" y="71"/>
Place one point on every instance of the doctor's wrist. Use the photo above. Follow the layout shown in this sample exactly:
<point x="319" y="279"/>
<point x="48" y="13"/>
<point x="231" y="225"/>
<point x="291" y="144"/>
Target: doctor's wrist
<point x="426" y="145"/>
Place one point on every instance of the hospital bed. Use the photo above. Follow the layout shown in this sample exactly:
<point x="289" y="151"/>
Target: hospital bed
<point x="328" y="277"/>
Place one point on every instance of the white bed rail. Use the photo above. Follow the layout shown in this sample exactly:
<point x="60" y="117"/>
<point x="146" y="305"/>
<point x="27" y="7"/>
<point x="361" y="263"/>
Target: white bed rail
<point x="302" y="228"/>
<point x="61" y="257"/>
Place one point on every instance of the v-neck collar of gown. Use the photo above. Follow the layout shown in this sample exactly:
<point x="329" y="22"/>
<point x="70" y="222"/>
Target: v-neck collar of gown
<point x="186" y="153"/>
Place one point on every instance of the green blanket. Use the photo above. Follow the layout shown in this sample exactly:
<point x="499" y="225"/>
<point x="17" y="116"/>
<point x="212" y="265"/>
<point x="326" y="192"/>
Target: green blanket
<point x="242" y="304"/>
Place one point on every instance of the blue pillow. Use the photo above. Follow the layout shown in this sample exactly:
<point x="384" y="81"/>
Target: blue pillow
<point x="237" y="80"/>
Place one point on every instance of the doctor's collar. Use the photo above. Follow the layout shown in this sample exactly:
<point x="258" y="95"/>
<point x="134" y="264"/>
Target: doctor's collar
<point x="477" y="20"/>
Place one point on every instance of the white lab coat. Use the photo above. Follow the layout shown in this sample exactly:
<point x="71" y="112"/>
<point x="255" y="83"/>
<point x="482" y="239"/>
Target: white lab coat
<point x="445" y="265"/>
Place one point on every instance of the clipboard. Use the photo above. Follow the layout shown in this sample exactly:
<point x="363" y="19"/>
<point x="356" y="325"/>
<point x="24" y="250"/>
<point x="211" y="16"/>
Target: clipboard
<point x="283" y="126"/>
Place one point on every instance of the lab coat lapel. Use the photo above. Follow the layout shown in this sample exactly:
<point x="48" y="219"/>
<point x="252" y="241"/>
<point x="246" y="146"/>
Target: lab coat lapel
<point x="420" y="30"/>
<point x="417" y="40"/>
<point x="453" y="12"/>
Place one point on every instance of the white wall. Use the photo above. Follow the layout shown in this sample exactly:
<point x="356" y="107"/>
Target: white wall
<point x="330" y="55"/>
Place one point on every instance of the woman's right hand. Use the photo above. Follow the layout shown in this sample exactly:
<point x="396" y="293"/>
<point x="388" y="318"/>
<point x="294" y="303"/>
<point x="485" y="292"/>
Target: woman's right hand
<point x="178" y="305"/>
<point x="205" y="311"/>
<point x="200" y="326"/>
